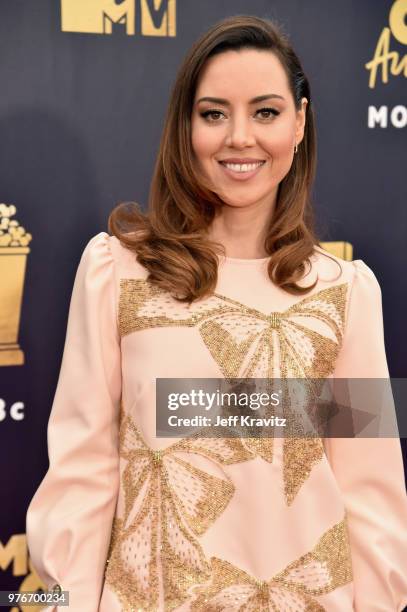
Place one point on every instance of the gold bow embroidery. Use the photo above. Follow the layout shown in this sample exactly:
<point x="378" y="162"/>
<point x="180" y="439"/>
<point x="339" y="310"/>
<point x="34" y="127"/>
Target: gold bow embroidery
<point x="167" y="503"/>
<point x="325" y="568"/>
<point x="240" y="338"/>
<point x="247" y="343"/>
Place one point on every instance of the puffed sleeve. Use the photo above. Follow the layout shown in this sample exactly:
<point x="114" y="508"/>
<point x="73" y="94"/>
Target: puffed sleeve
<point x="369" y="470"/>
<point x="69" y="519"/>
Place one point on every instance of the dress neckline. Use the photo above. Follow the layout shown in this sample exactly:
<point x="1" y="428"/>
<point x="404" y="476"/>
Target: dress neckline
<point x="240" y="260"/>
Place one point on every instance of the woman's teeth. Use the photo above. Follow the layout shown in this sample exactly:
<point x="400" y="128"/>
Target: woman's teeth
<point x="242" y="167"/>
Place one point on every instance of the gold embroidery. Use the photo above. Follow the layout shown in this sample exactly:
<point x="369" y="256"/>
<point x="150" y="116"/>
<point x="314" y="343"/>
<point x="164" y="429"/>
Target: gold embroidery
<point x="305" y="353"/>
<point x="299" y="457"/>
<point x="241" y="340"/>
<point x="262" y="447"/>
<point x="168" y="502"/>
<point x="275" y="320"/>
<point x="327" y="567"/>
<point x="228" y="353"/>
<point x="234" y="332"/>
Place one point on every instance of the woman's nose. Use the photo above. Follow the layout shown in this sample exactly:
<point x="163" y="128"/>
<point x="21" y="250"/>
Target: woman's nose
<point x="240" y="133"/>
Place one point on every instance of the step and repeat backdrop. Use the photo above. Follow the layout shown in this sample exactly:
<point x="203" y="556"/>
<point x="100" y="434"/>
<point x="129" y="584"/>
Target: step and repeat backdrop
<point x="84" y="86"/>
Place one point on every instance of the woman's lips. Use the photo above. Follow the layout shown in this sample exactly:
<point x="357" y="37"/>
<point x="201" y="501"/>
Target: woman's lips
<point x="241" y="176"/>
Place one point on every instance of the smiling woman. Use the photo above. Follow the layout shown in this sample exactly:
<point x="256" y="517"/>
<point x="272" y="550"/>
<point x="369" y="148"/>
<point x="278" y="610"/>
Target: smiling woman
<point x="211" y="283"/>
<point x="240" y="98"/>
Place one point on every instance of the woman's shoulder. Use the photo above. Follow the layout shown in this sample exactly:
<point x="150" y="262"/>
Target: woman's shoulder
<point x="335" y="269"/>
<point x="104" y="246"/>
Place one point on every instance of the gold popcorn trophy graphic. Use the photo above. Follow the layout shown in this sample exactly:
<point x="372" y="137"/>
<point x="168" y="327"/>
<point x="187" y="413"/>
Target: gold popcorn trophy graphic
<point x="13" y="257"/>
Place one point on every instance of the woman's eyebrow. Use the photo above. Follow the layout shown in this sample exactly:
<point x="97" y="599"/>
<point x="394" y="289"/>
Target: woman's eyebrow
<point x="225" y="102"/>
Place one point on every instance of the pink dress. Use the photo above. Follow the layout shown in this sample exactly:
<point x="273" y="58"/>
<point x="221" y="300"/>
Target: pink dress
<point x="215" y="524"/>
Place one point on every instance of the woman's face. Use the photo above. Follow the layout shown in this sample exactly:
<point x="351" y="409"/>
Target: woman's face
<point x="238" y="129"/>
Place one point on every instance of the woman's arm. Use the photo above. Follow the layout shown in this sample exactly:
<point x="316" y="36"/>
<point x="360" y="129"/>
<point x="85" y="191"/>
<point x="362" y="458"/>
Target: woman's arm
<point x="369" y="471"/>
<point x="70" y="516"/>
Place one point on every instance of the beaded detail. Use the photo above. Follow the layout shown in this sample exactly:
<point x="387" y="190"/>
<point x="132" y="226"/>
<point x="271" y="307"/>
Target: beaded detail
<point x="327" y="567"/>
<point x="156" y="560"/>
<point x="168" y="502"/>
<point x="247" y="343"/>
<point x="238" y="336"/>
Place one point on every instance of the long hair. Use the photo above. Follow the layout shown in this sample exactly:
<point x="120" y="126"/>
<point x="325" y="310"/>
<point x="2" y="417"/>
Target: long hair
<point x="169" y="241"/>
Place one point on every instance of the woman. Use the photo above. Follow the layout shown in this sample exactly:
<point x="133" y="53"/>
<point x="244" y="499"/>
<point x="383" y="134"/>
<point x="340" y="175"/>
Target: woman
<point x="223" y="278"/>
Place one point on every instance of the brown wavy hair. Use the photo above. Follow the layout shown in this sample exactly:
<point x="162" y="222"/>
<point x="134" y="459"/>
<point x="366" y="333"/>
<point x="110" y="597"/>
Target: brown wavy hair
<point x="170" y="241"/>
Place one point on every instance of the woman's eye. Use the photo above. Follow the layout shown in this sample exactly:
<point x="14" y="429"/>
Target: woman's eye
<point x="210" y="113"/>
<point x="273" y="111"/>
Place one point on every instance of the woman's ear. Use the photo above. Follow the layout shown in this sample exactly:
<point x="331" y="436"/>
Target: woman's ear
<point x="300" y="121"/>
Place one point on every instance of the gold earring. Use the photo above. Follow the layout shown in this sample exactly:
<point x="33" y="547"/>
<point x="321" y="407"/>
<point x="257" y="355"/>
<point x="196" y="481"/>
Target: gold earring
<point x="296" y="148"/>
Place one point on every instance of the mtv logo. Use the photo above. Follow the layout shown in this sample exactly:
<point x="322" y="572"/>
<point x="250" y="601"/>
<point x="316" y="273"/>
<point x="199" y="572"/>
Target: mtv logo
<point x="157" y="17"/>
